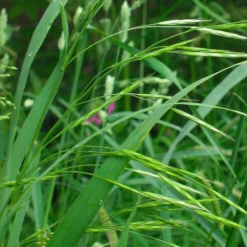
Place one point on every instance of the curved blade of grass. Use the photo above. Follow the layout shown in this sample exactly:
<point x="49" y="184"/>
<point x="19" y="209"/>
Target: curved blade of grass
<point x="242" y="201"/>
<point x="241" y="99"/>
<point x="85" y="207"/>
<point x="237" y="217"/>
<point x="220" y="219"/>
<point x="123" y="241"/>
<point x="16" y="227"/>
<point x="65" y="27"/>
<point x="38" y="204"/>
<point x="180" y="22"/>
<point x="216" y="235"/>
<point x="200" y="122"/>
<point x="213" y="98"/>
<point x="178" y="203"/>
<point x="170" y="48"/>
<point x="217" y="147"/>
<point x="232" y="25"/>
<point x="211" y="54"/>
<point x="209" y="11"/>
<point x="37" y="40"/>
<point x="220" y="33"/>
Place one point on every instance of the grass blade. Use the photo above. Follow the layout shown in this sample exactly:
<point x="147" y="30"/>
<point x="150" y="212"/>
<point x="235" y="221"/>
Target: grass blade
<point x="123" y="241"/>
<point x="200" y="122"/>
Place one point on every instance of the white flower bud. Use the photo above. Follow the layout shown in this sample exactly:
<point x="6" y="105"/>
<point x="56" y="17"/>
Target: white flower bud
<point x="3" y="26"/>
<point x="28" y="102"/>
<point x="102" y="115"/>
<point x="61" y="42"/>
<point x="77" y="15"/>
<point x="97" y="244"/>
<point x="109" y="84"/>
<point x="125" y="21"/>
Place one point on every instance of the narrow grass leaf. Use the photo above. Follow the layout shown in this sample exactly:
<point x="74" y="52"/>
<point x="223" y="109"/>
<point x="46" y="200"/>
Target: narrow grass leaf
<point x="220" y="33"/>
<point x="211" y="13"/>
<point x="123" y="241"/>
<point x="143" y="56"/>
<point x="213" y="98"/>
<point x="237" y="217"/>
<point x="241" y="99"/>
<point x="65" y="26"/>
<point x="233" y="25"/>
<point x="16" y="227"/>
<point x="181" y="22"/>
<point x="201" y="123"/>
<point x="220" y="220"/>
<point x="38" y="204"/>
<point x="195" y="51"/>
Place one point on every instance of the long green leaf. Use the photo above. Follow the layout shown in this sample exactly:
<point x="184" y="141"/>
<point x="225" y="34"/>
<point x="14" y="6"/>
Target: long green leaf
<point x="123" y="241"/>
<point x="16" y="227"/>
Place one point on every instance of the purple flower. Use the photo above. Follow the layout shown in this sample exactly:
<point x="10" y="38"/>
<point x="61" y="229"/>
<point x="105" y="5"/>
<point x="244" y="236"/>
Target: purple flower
<point x="97" y="119"/>
<point x="111" y="108"/>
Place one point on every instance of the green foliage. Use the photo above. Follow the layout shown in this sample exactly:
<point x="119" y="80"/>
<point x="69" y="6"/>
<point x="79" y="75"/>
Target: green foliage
<point x="121" y="133"/>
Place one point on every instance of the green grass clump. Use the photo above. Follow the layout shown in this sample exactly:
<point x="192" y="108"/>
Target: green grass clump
<point x="132" y="137"/>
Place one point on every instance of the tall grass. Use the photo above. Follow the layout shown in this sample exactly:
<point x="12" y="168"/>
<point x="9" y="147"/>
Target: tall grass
<point x="161" y="169"/>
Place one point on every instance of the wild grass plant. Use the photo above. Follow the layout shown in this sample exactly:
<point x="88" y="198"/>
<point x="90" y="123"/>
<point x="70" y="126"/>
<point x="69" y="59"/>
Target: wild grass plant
<point x="138" y="156"/>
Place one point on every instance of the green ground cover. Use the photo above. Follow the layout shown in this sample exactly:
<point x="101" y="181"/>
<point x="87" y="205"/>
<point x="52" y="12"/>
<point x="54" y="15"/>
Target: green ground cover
<point x="123" y="123"/>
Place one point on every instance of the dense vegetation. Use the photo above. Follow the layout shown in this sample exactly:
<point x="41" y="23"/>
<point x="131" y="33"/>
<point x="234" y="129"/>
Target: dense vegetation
<point x="123" y="123"/>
